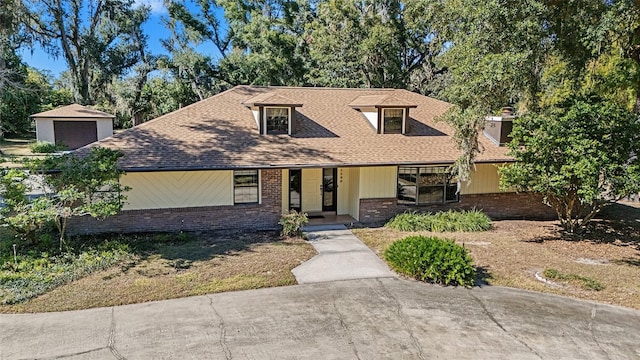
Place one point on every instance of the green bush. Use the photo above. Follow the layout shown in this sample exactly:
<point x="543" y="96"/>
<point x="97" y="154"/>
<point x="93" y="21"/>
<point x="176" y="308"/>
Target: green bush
<point x="44" y="147"/>
<point x="292" y="223"/>
<point x="432" y="259"/>
<point x="465" y="220"/>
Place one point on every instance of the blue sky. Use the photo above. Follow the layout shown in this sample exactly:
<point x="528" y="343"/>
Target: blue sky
<point x="154" y="29"/>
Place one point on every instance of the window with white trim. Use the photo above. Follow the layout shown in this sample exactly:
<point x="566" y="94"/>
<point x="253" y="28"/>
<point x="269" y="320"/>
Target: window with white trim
<point x="426" y="185"/>
<point x="392" y="121"/>
<point x="246" y="185"/>
<point x="276" y="120"/>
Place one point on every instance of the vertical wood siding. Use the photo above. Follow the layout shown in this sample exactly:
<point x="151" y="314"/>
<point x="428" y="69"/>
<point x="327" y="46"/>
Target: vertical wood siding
<point x="484" y="180"/>
<point x="378" y="182"/>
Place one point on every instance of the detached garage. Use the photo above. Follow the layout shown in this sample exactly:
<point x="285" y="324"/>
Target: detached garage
<point x="73" y="126"/>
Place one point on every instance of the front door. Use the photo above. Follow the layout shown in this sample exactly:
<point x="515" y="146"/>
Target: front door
<point x="311" y="190"/>
<point x="329" y="193"/>
<point x="318" y="190"/>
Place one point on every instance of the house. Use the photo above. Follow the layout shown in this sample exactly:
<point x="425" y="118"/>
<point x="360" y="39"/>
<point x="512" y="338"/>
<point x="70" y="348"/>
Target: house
<point x="244" y="157"/>
<point x="73" y="126"/>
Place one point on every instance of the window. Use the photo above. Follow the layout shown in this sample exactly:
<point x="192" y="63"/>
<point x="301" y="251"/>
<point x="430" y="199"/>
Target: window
<point x="295" y="189"/>
<point x="426" y="185"/>
<point x="277" y="120"/>
<point x="245" y="186"/>
<point x="392" y="119"/>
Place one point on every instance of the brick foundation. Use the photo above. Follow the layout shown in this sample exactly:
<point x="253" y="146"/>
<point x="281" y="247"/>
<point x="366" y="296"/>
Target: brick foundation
<point x="497" y="206"/>
<point x="244" y="216"/>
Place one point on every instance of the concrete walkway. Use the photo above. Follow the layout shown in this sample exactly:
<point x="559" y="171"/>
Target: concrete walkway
<point x="341" y="256"/>
<point x="386" y="318"/>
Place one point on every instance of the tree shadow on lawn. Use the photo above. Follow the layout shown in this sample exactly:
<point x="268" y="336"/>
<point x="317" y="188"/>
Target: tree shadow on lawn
<point x="617" y="224"/>
<point x="181" y="250"/>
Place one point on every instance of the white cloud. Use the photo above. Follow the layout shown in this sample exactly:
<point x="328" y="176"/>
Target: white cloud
<point x="156" y="6"/>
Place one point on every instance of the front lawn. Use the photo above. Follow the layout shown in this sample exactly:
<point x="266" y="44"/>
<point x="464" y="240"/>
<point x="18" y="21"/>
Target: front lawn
<point x="163" y="266"/>
<point x="514" y="252"/>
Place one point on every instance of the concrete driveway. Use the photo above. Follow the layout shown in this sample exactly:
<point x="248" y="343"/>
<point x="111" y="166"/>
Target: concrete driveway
<point x="385" y="318"/>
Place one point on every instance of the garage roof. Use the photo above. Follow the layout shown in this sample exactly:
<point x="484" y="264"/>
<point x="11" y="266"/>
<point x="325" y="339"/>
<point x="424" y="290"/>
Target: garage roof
<point x="74" y="111"/>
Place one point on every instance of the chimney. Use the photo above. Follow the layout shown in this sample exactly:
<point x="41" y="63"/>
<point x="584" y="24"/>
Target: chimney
<point x="498" y="128"/>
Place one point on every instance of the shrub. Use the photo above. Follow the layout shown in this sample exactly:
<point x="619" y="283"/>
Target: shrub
<point x="465" y="220"/>
<point x="292" y="223"/>
<point x="44" y="147"/>
<point x="36" y="273"/>
<point x="431" y="259"/>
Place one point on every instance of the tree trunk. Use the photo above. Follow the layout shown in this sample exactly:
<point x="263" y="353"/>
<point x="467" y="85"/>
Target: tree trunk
<point x="137" y="119"/>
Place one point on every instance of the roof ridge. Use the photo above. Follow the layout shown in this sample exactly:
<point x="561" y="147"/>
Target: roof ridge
<point x="318" y="88"/>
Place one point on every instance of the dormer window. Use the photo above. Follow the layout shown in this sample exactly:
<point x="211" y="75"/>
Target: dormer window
<point x="393" y="121"/>
<point x="277" y="120"/>
<point x="274" y="114"/>
<point x="386" y="113"/>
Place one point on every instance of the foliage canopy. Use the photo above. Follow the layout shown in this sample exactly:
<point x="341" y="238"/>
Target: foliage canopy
<point x="580" y="154"/>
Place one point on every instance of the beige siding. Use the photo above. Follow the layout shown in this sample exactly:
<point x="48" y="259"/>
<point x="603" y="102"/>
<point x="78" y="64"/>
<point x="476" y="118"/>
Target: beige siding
<point x="484" y="180"/>
<point x="344" y="203"/>
<point x="285" y="191"/>
<point x="44" y="130"/>
<point x="354" y="193"/>
<point x="378" y="182"/>
<point x="178" y="189"/>
<point x="311" y="194"/>
<point x="104" y="128"/>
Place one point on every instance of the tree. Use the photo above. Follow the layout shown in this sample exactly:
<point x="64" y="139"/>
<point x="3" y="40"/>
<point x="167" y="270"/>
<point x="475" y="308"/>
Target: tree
<point x="373" y="44"/>
<point x="494" y="51"/>
<point x="580" y="154"/>
<point x="32" y="94"/>
<point x="73" y="186"/>
<point x="97" y="39"/>
<point x="622" y="21"/>
<point x="267" y="42"/>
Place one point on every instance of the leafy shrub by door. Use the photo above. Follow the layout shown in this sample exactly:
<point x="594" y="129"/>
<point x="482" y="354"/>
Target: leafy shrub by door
<point x="292" y="223"/>
<point x="432" y="259"/>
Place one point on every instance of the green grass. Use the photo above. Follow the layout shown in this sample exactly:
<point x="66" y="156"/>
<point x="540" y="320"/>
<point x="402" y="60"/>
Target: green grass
<point x="587" y="282"/>
<point x="465" y="220"/>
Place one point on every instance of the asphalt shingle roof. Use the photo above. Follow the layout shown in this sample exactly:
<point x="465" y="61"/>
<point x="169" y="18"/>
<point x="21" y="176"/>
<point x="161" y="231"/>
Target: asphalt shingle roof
<point x="73" y="111"/>
<point x="220" y="133"/>
<point x="378" y="101"/>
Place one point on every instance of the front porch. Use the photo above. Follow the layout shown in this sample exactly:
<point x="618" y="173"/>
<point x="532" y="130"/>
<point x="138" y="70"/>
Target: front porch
<point x="330" y="218"/>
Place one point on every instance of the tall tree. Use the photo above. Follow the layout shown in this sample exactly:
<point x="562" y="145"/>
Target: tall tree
<point x="97" y="39"/>
<point x="267" y="43"/>
<point x="623" y="22"/>
<point x="495" y="51"/>
<point x="256" y="41"/>
<point x="188" y="31"/>
<point x="373" y="44"/>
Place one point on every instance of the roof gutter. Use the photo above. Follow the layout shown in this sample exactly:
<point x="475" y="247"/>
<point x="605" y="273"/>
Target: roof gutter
<point x="306" y="166"/>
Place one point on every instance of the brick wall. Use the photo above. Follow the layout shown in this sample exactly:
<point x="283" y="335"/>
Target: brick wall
<point x="245" y="216"/>
<point x="497" y="206"/>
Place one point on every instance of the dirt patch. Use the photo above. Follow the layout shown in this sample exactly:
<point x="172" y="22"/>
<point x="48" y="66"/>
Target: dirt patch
<point x="209" y="264"/>
<point x="517" y="250"/>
